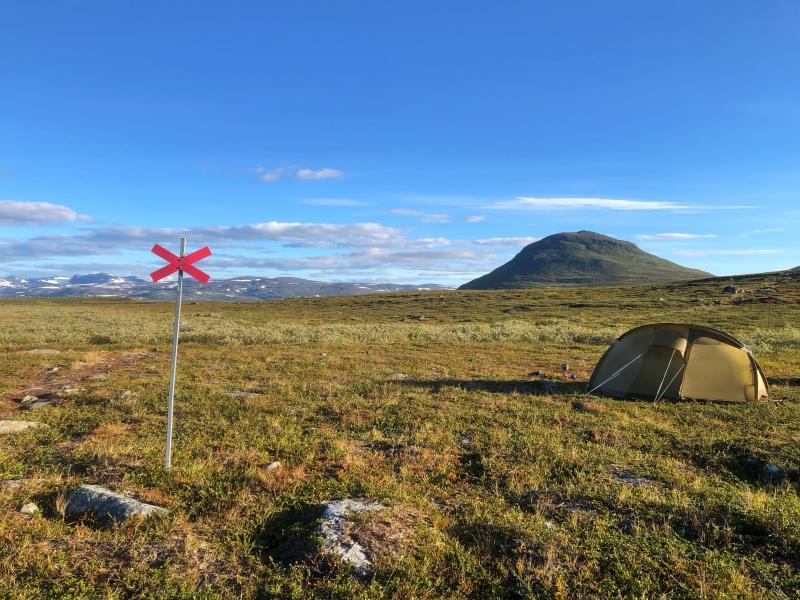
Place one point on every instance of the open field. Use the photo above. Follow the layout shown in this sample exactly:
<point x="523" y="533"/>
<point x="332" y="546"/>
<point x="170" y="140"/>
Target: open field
<point x="499" y="485"/>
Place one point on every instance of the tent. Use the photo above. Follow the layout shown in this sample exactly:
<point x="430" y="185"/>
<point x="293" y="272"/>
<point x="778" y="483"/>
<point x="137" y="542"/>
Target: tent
<point x="679" y="361"/>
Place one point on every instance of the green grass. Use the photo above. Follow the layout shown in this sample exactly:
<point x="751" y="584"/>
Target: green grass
<point x="500" y="487"/>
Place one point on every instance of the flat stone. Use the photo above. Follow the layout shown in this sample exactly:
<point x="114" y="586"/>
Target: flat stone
<point x="105" y="503"/>
<point x="398" y="376"/>
<point x="7" y="427"/>
<point x="274" y="466"/>
<point x="29" y="509"/>
<point x="10" y="484"/>
<point x="241" y="395"/>
<point x="631" y="480"/>
<point x="335" y="541"/>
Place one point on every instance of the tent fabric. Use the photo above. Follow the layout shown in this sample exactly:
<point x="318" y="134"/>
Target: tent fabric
<point x="679" y="361"/>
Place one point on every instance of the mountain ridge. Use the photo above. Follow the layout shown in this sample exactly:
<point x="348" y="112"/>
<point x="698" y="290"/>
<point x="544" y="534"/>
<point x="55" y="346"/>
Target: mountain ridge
<point x="234" y="288"/>
<point x="582" y="258"/>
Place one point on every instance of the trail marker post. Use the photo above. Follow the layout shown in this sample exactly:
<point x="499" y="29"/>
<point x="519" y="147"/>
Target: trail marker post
<point x="181" y="263"/>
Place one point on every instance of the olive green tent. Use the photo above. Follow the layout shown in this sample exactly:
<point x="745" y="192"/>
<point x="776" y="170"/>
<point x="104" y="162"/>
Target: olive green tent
<point x="679" y="361"/>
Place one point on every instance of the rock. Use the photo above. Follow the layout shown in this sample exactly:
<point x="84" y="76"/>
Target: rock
<point x="398" y="376"/>
<point x="29" y="509"/>
<point x="626" y="525"/>
<point x="126" y="395"/>
<point x="10" y="484"/>
<point x="536" y="374"/>
<point x="464" y="442"/>
<point x="732" y="289"/>
<point x="7" y="427"/>
<point x="626" y="478"/>
<point x="33" y="402"/>
<point x="51" y="371"/>
<point x="69" y="390"/>
<point x="274" y="466"/>
<point x="417" y="318"/>
<point x="105" y="503"/>
<point x="335" y="517"/>
<point x="240" y="395"/>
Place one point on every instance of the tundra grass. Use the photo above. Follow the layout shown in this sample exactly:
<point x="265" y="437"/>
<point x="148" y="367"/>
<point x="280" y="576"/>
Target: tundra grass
<point x="502" y="486"/>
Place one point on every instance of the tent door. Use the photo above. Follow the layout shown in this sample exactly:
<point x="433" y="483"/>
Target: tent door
<point x="660" y="367"/>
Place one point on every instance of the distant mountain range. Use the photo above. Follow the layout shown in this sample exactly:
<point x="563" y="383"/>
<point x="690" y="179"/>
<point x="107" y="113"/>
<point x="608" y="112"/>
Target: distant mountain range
<point x="582" y="258"/>
<point x="237" y="288"/>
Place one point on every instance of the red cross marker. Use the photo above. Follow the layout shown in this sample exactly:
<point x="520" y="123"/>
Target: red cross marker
<point x="184" y="263"/>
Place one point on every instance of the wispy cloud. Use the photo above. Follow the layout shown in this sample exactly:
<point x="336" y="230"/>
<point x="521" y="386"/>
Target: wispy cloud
<point x="506" y="241"/>
<point x="433" y="217"/>
<point x="319" y="174"/>
<point x="731" y="252"/>
<point x="763" y="231"/>
<point x="675" y="236"/>
<point x="529" y="203"/>
<point x="18" y="212"/>
<point x="291" y="172"/>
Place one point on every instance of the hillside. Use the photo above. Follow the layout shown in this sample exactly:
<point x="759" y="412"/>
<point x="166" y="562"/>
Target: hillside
<point x="582" y="258"/>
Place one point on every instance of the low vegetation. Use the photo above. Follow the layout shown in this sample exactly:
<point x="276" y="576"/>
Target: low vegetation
<point x="500" y="484"/>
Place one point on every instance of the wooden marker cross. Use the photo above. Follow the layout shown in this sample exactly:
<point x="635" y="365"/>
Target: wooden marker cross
<point x="181" y="264"/>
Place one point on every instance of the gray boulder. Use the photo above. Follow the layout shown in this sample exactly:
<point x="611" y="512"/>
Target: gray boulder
<point x="105" y="503"/>
<point x="335" y="539"/>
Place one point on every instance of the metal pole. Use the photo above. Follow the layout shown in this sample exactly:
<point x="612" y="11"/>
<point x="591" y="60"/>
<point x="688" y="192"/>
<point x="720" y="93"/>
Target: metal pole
<point x="174" y="361"/>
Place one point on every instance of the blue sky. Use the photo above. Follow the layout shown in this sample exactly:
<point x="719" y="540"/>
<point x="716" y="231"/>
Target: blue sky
<point x="408" y="141"/>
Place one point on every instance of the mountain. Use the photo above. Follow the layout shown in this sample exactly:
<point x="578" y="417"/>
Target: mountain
<point x="582" y="258"/>
<point x="237" y="288"/>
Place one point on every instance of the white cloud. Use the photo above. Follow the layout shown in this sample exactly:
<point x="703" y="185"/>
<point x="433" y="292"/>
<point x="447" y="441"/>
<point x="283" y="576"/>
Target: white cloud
<point x="431" y="260"/>
<point x="319" y="174"/>
<point x="506" y="241"/>
<point x="433" y="241"/>
<point x="17" y="212"/>
<point x="112" y="240"/>
<point x="732" y="252"/>
<point x="474" y="219"/>
<point x="675" y="236"/>
<point x="528" y="203"/>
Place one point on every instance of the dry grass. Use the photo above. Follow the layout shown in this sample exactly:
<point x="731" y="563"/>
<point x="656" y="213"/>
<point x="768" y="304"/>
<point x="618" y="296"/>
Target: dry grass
<point x="499" y="486"/>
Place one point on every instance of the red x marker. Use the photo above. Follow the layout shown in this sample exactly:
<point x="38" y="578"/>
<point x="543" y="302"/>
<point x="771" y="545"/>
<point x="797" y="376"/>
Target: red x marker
<point x="184" y="264"/>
